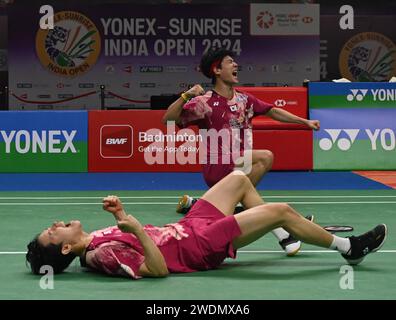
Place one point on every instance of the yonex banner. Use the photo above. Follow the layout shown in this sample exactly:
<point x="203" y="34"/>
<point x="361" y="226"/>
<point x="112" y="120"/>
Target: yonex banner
<point x="45" y="141"/>
<point x="352" y="95"/>
<point x="358" y="125"/>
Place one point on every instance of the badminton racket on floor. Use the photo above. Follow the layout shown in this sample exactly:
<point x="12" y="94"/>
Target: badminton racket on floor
<point x="338" y="228"/>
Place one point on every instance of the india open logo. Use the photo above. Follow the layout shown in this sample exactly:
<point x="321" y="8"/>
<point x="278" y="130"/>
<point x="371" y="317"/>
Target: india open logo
<point x="368" y="57"/>
<point x="344" y="143"/>
<point x="72" y="47"/>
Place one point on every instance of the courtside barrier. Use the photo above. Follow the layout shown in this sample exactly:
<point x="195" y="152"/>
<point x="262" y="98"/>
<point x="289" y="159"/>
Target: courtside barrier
<point x="290" y="143"/>
<point x="292" y="149"/>
<point x="43" y="141"/>
<point x="357" y="125"/>
<point x="136" y="140"/>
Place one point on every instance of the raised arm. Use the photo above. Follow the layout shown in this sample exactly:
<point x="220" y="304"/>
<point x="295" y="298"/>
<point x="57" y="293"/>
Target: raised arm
<point x="154" y="263"/>
<point x="175" y="109"/>
<point x="285" y="116"/>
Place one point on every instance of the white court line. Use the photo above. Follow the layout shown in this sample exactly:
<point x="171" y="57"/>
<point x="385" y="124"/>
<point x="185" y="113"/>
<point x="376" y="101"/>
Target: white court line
<point x="195" y="196"/>
<point x="12" y="252"/>
<point x="173" y="203"/>
<point x="239" y="251"/>
<point x="308" y="251"/>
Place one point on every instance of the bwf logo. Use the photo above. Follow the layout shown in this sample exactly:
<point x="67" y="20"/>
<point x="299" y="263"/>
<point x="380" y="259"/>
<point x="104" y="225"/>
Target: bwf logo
<point x="385" y="138"/>
<point x="116" y="141"/>
<point x="357" y="94"/>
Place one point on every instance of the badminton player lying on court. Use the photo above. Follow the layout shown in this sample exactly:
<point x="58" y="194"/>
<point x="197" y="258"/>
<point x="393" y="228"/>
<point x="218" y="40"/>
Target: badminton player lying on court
<point x="201" y="240"/>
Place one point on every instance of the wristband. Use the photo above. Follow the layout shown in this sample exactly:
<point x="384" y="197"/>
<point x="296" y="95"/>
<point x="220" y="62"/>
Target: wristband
<point x="185" y="97"/>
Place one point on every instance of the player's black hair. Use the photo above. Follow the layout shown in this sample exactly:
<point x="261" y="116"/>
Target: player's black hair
<point x="213" y="58"/>
<point x="51" y="255"/>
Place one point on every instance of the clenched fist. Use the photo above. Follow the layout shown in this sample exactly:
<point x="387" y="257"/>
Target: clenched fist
<point x="194" y="91"/>
<point x="114" y="205"/>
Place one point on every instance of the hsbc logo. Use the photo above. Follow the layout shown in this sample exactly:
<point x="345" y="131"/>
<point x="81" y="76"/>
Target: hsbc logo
<point x="343" y="139"/>
<point x="128" y="69"/>
<point x="357" y="94"/>
<point x="280" y="103"/>
<point x="283" y="103"/>
<point x="116" y="141"/>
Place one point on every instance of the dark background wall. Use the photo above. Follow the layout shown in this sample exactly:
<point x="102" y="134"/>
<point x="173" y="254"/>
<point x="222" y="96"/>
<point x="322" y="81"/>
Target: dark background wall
<point x="368" y="18"/>
<point x="3" y="60"/>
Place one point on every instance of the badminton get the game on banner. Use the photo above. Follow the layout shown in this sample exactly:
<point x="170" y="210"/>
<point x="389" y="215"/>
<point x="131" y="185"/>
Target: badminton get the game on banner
<point x="197" y="159"/>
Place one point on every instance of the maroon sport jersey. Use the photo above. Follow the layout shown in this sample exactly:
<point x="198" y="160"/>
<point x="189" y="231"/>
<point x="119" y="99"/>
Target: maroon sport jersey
<point x="199" y="241"/>
<point x="213" y="111"/>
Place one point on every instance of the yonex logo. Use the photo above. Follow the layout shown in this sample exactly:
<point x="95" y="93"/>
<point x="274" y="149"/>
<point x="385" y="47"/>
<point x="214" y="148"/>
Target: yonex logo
<point x="344" y="138"/>
<point x="357" y="94"/>
<point x="343" y="144"/>
<point x="147" y="69"/>
<point x="44" y="141"/>
<point x="376" y="94"/>
<point x="280" y="103"/>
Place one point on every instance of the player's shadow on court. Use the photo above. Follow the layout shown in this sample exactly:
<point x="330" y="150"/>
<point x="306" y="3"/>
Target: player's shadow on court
<point x="298" y="268"/>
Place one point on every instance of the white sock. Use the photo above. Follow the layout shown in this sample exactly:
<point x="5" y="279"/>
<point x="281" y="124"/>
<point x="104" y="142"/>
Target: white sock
<point x="189" y="202"/>
<point x="342" y="245"/>
<point x="280" y="233"/>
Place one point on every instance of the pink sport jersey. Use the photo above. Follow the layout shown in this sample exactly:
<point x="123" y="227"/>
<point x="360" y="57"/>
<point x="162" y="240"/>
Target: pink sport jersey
<point x="199" y="241"/>
<point x="213" y="111"/>
<point x="119" y="253"/>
